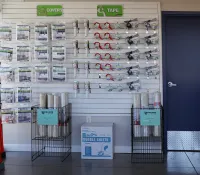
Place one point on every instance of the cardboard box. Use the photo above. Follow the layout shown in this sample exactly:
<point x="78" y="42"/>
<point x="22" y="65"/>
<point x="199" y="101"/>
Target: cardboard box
<point x="97" y="141"/>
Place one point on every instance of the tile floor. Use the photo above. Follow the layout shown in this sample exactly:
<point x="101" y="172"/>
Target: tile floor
<point x="19" y="163"/>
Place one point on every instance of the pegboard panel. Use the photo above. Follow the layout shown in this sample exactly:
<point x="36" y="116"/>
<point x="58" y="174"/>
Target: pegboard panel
<point x="100" y="101"/>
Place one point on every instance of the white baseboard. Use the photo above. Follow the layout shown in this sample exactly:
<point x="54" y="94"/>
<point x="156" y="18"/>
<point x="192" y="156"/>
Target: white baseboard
<point x="75" y="148"/>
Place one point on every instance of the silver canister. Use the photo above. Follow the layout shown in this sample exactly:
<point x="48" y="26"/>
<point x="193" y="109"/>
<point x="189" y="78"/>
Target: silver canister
<point x="55" y="131"/>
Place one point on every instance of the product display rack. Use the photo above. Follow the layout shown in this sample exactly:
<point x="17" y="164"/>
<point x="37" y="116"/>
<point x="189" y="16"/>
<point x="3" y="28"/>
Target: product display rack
<point x="146" y="146"/>
<point x="57" y="144"/>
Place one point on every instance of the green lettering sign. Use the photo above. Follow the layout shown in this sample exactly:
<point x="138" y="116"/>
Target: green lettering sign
<point x="150" y="117"/>
<point x="49" y="10"/>
<point x="109" y="10"/>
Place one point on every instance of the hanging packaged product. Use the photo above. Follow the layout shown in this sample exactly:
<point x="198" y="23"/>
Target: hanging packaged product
<point x="6" y="33"/>
<point x="58" y="31"/>
<point x="7" y="95"/>
<point x="23" y="53"/>
<point x="24" y="115"/>
<point x="42" y="33"/>
<point x="8" y="116"/>
<point x="59" y="73"/>
<point x="6" y="54"/>
<point x="25" y="74"/>
<point x="42" y="73"/>
<point x="58" y="53"/>
<point x="23" y="32"/>
<point x="24" y="94"/>
<point x="7" y="74"/>
<point x="41" y="53"/>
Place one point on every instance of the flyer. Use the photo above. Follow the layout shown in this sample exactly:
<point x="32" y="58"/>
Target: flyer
<point x="41" y="53"/>
<point x="7" y="95"/>
<point x="41" y="33"/>
<point x="6" y="54"/>
<point x="24" y="94"/>
<point x="42" y="73"/>
<point x="8" y="116"/>
<point x="59" y="73"/>
<point x="23" y="53"/>
<point x="58" y="31"/>
<point x="23" y="32"/>
<point x="6" y="33"/>
<point x="24" y="115"/>
<point x="58" y="53"/>
<point x="24" y="74"/>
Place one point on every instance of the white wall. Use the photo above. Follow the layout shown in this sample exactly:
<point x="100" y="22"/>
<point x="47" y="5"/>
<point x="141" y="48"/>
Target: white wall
<point x="101" y="105"/>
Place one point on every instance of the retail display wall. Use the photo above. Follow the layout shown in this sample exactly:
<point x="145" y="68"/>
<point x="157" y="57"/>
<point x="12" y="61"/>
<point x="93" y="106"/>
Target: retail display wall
<point x="100" y="61"/>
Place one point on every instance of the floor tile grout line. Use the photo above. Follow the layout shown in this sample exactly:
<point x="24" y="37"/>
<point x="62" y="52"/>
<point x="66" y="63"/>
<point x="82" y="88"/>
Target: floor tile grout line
<point x="191" y="162"/>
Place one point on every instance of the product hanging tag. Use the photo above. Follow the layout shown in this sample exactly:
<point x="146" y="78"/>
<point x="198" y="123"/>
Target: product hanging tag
<point x="41" y="53"/>
<point x="24" y="115"/>
<point x="24" y="94"/>
<point x="42" y="74"/>
<point x="23" y="53"/>
<point x="23" y="32"/>
<point x="5" y="33"/>
<point x="42" y="33"/>
<point x="6" y="54"/>
<point x="25" y="74"/>
<point x="7" y="95"/>
<point x="58" y="31"/>
<point x="59" y="73"/>
<point x="58" y="53"/>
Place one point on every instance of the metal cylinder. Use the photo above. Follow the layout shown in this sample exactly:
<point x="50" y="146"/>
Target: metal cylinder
<point x="157" y="104"/>
<point x="42" y="129"/>
<point x="50" y="104"/>
<point x="145" y="130"/>
<point x="55" y="131"/>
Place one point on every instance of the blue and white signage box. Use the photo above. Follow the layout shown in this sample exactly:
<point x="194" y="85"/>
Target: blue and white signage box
<point x="97" y="141"/>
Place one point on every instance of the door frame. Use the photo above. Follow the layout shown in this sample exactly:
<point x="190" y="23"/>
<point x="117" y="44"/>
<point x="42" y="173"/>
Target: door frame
<point x="165" y="15"/>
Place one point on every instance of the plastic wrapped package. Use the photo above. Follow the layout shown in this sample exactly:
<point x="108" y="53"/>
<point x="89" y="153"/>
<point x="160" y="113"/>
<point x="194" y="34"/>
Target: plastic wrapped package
<point x="5" y="33"/>
<point x="6" y="54"/>
<point x="41" y="53"/>
<point x="42" y="74"/>
<point x="23" y="53"/>
<point x="23" y="32"/>
<point x="7" y="95"/>
<point x="59" y="73"/>
<point x="58" y="53"/>
<point x="7" y="74"/>
<point x="58" y="31"/>
<point x="8" y="116"/>
<point x="24" y="115"/>
<point x="24" y="94"/>
<point x="25" y="74"/>
<point x="42" y="33"/>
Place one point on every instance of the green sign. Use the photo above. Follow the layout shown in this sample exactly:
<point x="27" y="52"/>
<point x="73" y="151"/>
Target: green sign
<point x="109" y="10"/>
<point x="47" y="116"/>
<point x="150" y="117"/>
<point x="49" y="10"/>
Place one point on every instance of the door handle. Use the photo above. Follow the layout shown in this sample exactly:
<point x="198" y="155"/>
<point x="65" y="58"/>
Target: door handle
<point x="170" y="84"/>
